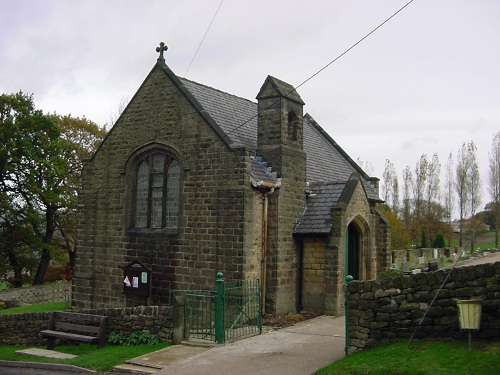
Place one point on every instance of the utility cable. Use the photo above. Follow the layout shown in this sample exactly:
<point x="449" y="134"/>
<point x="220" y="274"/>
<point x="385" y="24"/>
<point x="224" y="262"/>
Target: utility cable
<point x="312" y="76"/>
<point x="203" y="39"/>
<point x="301" y="84"/>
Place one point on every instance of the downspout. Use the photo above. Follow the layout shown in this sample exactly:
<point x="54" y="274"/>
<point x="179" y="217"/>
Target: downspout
<point x="264" y="246"/>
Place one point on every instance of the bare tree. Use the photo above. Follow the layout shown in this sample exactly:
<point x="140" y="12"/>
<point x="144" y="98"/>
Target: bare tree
<point x="114" y="116"/>
<point x="366" y="166"/>
<point x="462" y="188"/>
<point x="475" y="193"/>
<point x="395" y="194"/>
<point x="419" y="188"/>
<point x="388" y="177"/>
<point x="494" y="182"/>
<point x="391" y="187"/>
<point x="407" y="182"/>
<point x="448" y="196"/>
<point x="432" y="192"/>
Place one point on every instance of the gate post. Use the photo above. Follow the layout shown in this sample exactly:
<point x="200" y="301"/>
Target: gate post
<point x="219" y="310"/>
<point x="178" y="333"/>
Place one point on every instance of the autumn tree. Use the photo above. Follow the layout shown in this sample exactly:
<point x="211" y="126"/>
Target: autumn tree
<point x="83" y="138"/>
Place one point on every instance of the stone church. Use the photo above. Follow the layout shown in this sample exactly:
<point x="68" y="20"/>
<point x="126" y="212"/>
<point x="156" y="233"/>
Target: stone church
<point x="191" y="181"/>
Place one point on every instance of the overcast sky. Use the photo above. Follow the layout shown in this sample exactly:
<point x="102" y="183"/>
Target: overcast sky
<point x="425" y="82"/>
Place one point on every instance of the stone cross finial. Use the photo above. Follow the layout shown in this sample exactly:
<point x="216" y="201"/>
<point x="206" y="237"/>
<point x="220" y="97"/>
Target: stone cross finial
<point x="161" y="49"/>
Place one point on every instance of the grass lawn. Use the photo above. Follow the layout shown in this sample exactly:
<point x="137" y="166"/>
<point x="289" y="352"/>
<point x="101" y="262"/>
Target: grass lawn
<point x="88" y="356"/>
<point x="39" y="307"/>
<point x="422" y="357"/>
<point x="486" y="241"/>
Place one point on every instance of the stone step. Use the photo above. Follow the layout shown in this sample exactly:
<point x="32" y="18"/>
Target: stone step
<point x="152" y="362"/>
<point x="135" y="369"/>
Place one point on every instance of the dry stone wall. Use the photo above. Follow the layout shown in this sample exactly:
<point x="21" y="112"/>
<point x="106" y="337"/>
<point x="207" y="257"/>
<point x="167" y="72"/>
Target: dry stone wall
<point x="37" y="294"/>
<point x="388" y="309"/>
<point x="24" y="329"/>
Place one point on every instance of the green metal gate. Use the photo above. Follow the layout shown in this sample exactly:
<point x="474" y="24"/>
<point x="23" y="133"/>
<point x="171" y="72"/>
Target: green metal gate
<point x="230" y="312"/>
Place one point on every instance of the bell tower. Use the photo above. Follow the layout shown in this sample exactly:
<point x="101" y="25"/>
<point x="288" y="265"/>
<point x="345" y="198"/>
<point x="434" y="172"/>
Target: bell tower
<point x="280" y="143"/>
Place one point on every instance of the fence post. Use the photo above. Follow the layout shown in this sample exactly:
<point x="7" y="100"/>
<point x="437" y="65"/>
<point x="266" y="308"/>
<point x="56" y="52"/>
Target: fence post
<point x="219" y="310"/>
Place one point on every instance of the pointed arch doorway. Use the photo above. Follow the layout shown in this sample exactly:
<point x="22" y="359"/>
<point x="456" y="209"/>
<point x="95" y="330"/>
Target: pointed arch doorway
<point x="353" y="251"/>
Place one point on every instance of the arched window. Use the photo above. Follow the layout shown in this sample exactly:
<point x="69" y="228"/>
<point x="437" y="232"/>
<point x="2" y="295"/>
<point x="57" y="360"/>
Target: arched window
<point x="157" y="192"/>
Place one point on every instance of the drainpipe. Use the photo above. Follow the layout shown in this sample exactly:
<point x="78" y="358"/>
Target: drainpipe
<point x="265" y="188"/>
<point x="264" y="246"/>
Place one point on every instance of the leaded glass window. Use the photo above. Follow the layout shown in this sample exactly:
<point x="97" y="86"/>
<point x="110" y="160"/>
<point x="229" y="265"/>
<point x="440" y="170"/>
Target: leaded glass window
<point x="157" y="192"/>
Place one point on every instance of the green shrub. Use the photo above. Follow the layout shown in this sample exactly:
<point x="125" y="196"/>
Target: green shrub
<point x="135" y="338"/>
<point x="389" y="274"/>
<point x="439" y="241"/>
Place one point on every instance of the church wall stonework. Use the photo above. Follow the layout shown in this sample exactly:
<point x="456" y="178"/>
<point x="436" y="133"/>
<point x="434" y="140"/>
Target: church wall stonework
<point x="209" y="239"/>
<point x="222" y="209"/>
<point x="313" y="292"/>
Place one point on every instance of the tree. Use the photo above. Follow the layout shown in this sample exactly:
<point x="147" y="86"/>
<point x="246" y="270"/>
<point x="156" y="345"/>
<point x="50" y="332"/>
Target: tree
<point x="40" y="165"/>
<point x="432" y="194"/>
<point x="419" y="189"/>
<point x="494" y="183"/>
<point x="462" y="188"/>
<point x="468" y="185"/>
<point x="448" y="196"/>
<point x="83" y="137"/>
<point x="407" y="181"/>
<point x="438" y="240"/>
<point x="390" y="187"/>
<point x="33" y="173"/>
<point x="400" y="235"/>
<point x="475" y="193"/>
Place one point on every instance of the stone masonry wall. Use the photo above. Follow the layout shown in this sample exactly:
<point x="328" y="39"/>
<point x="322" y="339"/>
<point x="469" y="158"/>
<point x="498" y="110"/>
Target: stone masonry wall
<point x="213" y="190"/>
<point x="313" y="268"/>
<point x="384" y="310"/>
<point x="37" y="294"/>
<point x="24" y="329"/>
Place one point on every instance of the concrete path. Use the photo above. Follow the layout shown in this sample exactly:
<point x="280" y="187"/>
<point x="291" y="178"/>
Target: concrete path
<point x="483" y="258"/>
<point x="298" y="350"/>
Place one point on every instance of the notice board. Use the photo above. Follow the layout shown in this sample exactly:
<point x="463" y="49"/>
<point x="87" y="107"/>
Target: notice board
<point x="137" y="279"/>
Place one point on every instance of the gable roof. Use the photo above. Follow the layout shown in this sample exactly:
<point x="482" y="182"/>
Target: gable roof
<point x="237" y="118"/>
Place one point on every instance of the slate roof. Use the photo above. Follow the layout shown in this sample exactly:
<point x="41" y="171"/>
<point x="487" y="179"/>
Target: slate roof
<point x="317" y="217"/>
<point x="237" y="117"/>
<point x="329" y="168"/>
<point x="262" y="175"/>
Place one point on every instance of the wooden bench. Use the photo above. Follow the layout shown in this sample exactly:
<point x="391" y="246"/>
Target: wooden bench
<point x="75" y="327"/>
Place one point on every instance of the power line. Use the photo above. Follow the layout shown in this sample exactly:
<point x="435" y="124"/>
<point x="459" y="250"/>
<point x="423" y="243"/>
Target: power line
<point x="355" y="44"/>
<point x="301" y="84"/>
<point x="204" y="36"/>
<point x="315" y="74"/>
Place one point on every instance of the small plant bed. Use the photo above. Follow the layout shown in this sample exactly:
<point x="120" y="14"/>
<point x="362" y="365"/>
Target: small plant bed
<point x="422" y="357"/>
<point x="282" y="321"/>
<point x="88" y="356"/>
<point x="134" y="339"/>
